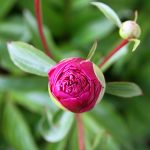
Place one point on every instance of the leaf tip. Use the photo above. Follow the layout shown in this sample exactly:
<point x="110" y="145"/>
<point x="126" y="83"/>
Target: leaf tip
<point x="9" y="44"/>
<point x="92" y="50"/>
<point x="141" y="93"/>
<point x="108" y="12"/>
<point x="136" y="43"/>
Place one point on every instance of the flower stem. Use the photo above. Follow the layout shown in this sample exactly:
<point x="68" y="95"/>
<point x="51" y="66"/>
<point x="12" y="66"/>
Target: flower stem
<point x="116" y="49"/>
<point x="80" y="132"/>
<point x="40" y="26"/>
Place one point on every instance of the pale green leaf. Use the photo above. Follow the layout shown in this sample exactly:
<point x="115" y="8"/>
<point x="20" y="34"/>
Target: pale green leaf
<point x="60" y="129"/>
<point x="136" y="44"/>
<point x="108" y="12"/>
<point x="123" y="89"/>
<point x="101" y="79"/>
<point x="92" y="51"/>
<point x="22" y="84"/>
<point x="35" y="101"/>
<point x="61" y="145"/>
<point x="15" y="129"/>
<point x="29" y="59"/>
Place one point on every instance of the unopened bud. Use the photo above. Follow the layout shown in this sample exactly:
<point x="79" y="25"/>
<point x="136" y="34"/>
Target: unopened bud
<point x="129" y="29"/>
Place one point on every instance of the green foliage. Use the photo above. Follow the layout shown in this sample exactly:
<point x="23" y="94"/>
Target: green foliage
<point x="30" y="59"/>
<point x="22" y="137"/>
<point x="20" y="84"/>
<point x="101" y="78"/>
<point x="123" y="89"/>
<point x="57" y="131"/>
<point x="136" y="44"/>
<point x="70" y="27"/>
<point x="6" y="5"/>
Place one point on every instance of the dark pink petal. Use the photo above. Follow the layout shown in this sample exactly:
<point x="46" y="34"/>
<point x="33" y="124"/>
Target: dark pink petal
<point x="74" y="84"/>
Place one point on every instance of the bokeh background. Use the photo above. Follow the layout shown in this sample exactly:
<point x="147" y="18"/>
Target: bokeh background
<point x="71" y="27"/>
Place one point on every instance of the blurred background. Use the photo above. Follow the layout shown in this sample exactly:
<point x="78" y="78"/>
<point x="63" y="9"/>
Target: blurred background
<point x="71" y="27"/>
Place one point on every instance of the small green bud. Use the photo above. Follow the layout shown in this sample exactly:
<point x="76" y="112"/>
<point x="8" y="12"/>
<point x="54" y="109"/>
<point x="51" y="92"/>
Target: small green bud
<point x="129" y="29"/>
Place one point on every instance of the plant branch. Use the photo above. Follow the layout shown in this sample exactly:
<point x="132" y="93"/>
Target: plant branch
<point x="123" y="43"/>
<point x="80" y="132"/>
<point x="40" y="26"/>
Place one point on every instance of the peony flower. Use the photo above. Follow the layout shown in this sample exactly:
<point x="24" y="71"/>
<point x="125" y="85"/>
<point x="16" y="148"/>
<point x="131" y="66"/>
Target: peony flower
<point x="74" y="86"/>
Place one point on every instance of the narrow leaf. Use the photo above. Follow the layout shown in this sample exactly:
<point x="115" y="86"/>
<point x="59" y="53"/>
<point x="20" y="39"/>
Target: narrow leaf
<point x="107" y="110"/>
<point x="15" y="129"/>
<point x="123" y="89"/>
<point x="99" y="133"/>
<point x="105" y="141"/>
<point x="108" y="12"/>
<point x="136" y="16"/>
<point x="29" y="59"/>
<point x="92" y="51"/>
<point x="136" y="44"/>
<point x="21" y="84"/>
<point x="60" y="129"/>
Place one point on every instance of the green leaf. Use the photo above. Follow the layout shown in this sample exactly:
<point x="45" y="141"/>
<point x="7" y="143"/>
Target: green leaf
<point x="108" y="12"/>
<point x="5" y="61"/>
<point x="29" y="59"/>
<point x="6" y="5"/>
<point x="101" y="79"/>
<point x="15" y="29"/>
<point x="105" y="142"/>
<point x="22" y="84"/>
<point x="136" y="44"/>
<point x="100" y="134"/>
<point x="60" y="129"/>
<point x="123" y="89"/>
<point x="35" y="101"/>
<point x="61" y="145"/>
<point x="80" y="4"/>
<point x="107" y="117"/>
<point x="92" y="51"/>
<point x="15" y="129"/>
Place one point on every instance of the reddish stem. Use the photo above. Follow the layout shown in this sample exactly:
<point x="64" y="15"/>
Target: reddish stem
<point x="80" y="132"/>
<point x="123" y="43"/>
<point x="40" y="26"/>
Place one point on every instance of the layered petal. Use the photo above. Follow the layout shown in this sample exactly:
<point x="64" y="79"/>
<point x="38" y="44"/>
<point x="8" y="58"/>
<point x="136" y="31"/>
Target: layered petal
<point x="74" y="85"/>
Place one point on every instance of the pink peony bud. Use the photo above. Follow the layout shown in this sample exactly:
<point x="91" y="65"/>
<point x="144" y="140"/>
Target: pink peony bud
<point x="74" y="86"/>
